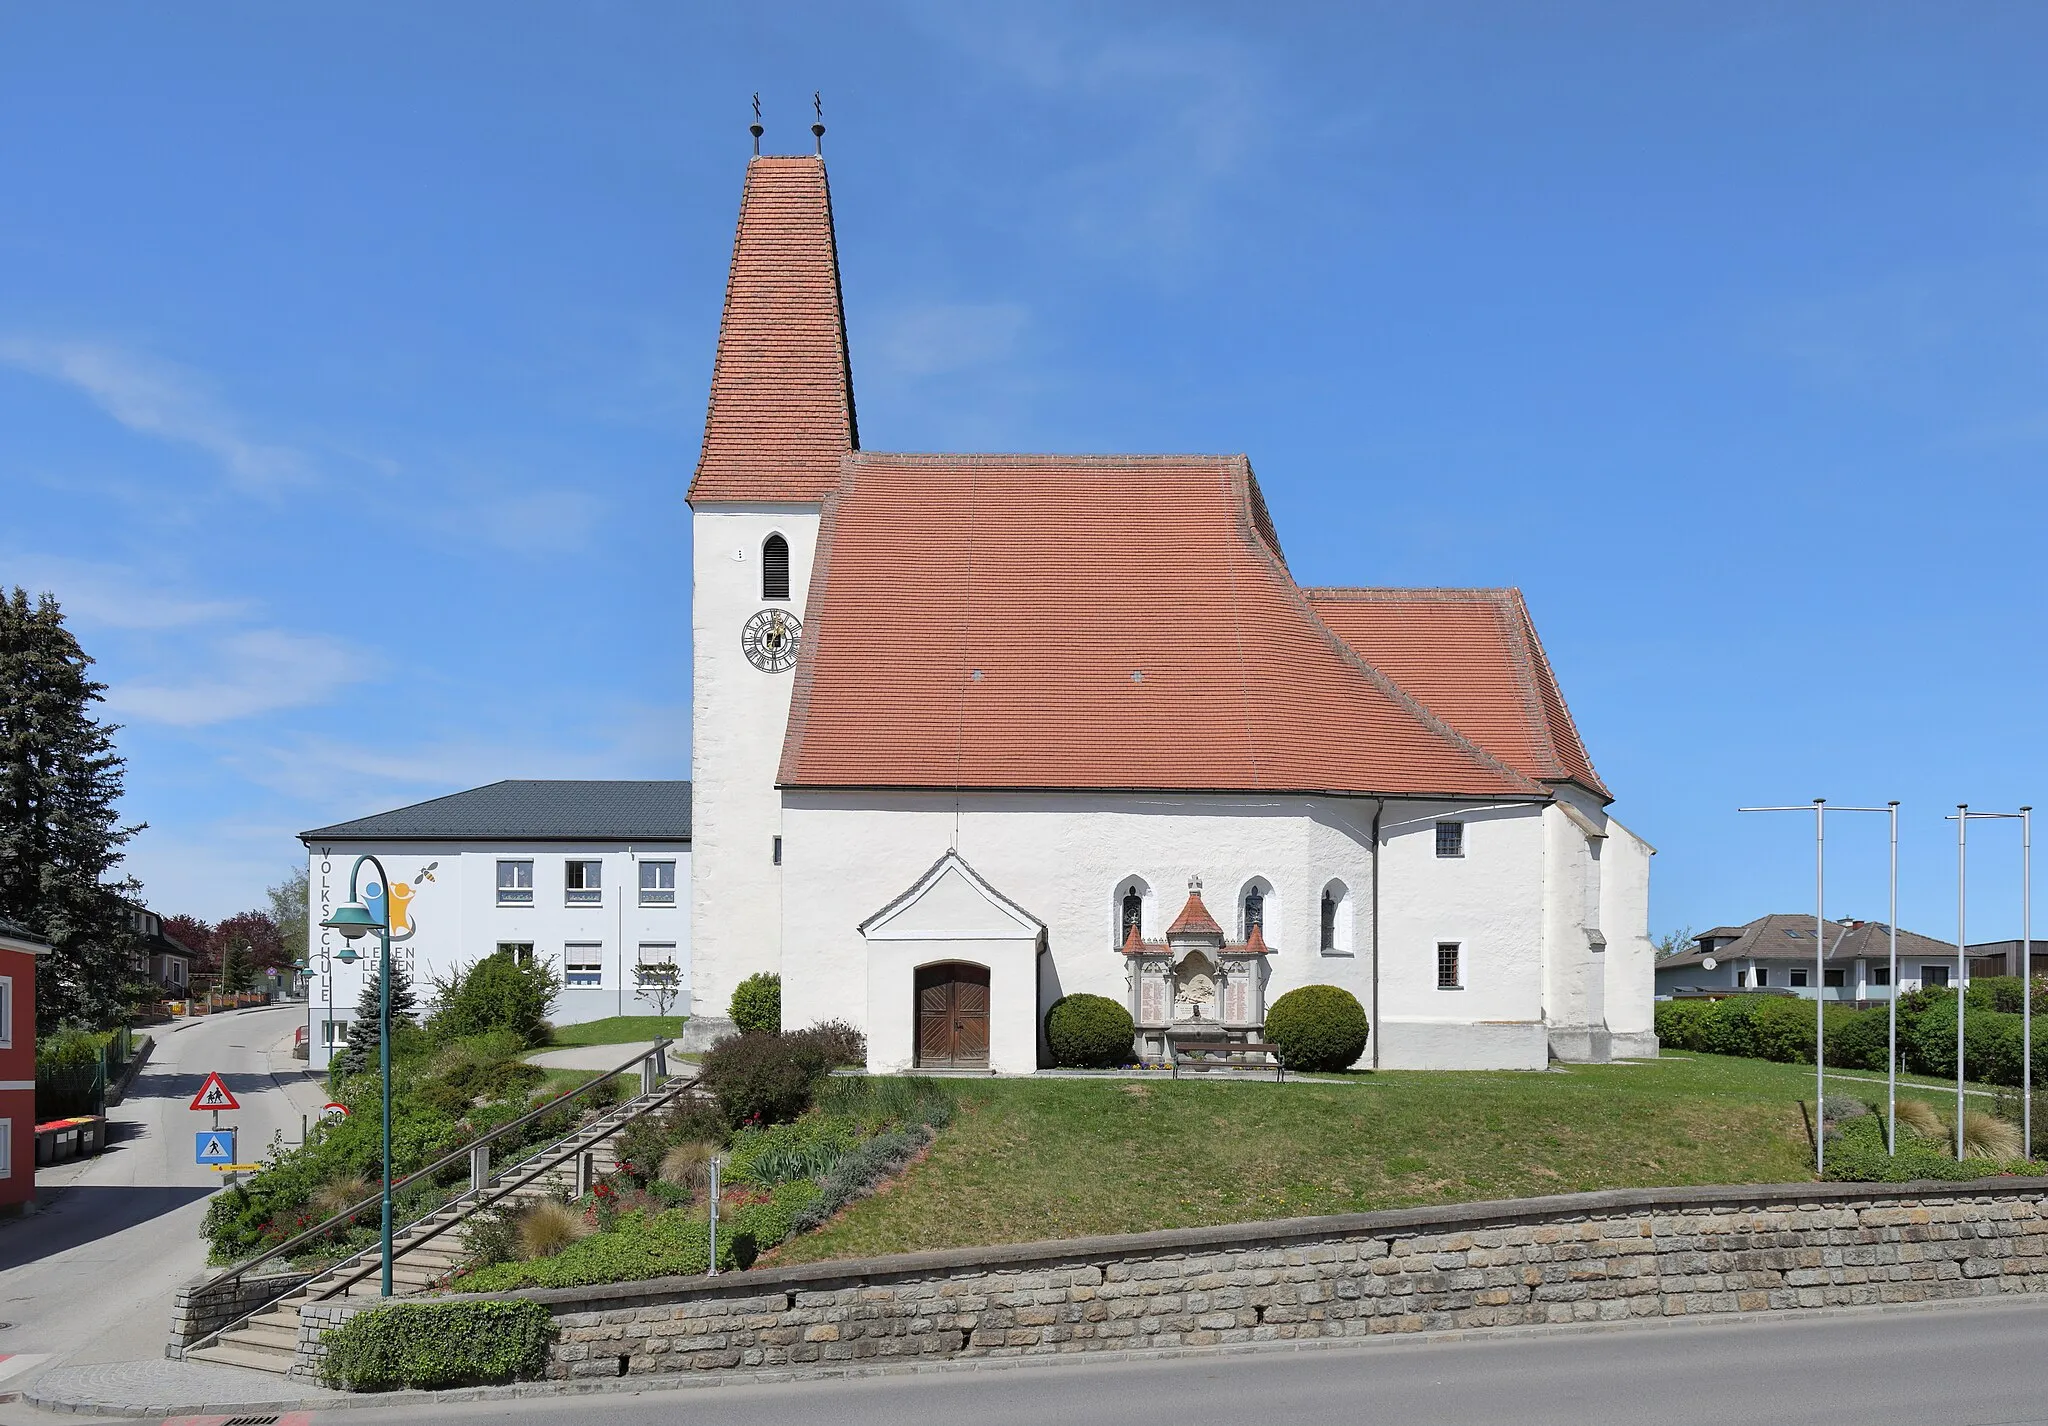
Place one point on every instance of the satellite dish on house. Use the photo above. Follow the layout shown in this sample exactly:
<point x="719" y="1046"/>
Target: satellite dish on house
<point x="1709" y="963"/>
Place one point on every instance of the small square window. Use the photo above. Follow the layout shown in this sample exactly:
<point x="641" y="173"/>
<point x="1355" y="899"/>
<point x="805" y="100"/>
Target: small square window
<point x="1763" y="976"/>
<point x="583" y="964"/>
<point x="515" y="883"/>
<point x="1798" y="976"/>
<point x="1450" y="839"/>
<point x="520" y="951"/>
<point x="657" y="883"/>
<point x="657" y="960"/>
<point x="1934" y="975"/>
<point x="1447" y="965"/>
<point x="1881" y="975"/>
<point x="584" y="882"/>
<point x="1831" y="978"/>
<point x="334" y="1033"/>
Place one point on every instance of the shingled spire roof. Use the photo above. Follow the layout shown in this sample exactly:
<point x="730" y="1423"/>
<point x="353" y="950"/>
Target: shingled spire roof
<point x="781" y="415"/>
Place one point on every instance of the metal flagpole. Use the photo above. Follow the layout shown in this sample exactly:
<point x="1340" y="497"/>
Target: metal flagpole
<point x="1820" y="809"/>
<point x="2027" y="977"/>
<point x="1962" y="963"/>
<point x="1891" y="1059"/>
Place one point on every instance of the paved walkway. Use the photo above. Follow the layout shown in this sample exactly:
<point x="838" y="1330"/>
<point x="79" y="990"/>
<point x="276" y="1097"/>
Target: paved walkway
<point x="594" y="1057"/>
<point x="161" y="1387"/>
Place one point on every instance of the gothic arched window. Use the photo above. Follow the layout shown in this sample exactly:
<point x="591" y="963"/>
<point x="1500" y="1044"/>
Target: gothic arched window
<point x="775" y="568"/>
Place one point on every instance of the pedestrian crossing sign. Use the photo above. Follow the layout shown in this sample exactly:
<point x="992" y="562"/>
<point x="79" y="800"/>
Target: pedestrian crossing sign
<point x="214" y="1094"/>
<point x="215" y="1146"/>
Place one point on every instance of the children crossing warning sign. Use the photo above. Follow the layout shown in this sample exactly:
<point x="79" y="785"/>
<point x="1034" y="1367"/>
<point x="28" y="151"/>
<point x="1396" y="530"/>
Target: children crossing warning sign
<point x="214" y="1094"/>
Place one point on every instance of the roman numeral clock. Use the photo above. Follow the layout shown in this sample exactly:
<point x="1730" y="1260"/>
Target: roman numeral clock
<point x="770" y="639"/>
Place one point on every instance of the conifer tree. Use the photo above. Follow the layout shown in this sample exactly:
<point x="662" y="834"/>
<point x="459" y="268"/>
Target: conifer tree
<point x="236" y="974"/>
<point x="360" y="1053"/>
<point x="60" y="835"/>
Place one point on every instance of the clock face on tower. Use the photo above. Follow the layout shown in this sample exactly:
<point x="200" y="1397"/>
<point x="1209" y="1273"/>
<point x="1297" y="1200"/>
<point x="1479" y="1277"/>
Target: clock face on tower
<point x="770" y="640"/>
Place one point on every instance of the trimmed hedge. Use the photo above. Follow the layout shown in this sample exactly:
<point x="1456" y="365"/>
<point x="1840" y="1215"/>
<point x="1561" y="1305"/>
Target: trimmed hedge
<point x="433" y="1345"/>
<point x="1318" y="1027"/>
<point x="1089" y="1032"/>
<point x="756" y="1004"/>
<point x="1780" y="1027"/>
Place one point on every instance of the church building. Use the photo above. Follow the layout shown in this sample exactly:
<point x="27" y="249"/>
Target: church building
<point x="973" y="732"/>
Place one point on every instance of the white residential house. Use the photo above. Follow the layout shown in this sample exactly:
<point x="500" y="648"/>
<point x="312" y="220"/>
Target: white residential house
<point x="1777" y="953"/>
<point x="592" y="876"/>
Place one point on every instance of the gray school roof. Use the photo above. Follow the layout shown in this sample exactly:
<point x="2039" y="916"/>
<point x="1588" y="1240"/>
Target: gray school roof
<point x="530" y="811"/>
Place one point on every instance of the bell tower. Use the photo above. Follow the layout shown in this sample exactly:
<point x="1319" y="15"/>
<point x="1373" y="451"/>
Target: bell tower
<point x="780" y="421"/>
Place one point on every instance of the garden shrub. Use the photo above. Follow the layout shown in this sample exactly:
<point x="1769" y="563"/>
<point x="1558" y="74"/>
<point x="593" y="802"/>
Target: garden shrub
<point x="1682" y="1024"/>
<point x="438" y="1344"/>
<point x="1855" y="1154"/>
<point x="496" y="993"/>
<point x="837" y="1041"/>
<point x="1318" y="1027"/>
<point x="763" y="1078"/>
<point x="782" y="1152"/>
<point x="1781" y="1029"/>
<point x="1730" y="1030"/>
<point x="756" y="1004"/>
<point x="647" y="1140"/>
<point x="1089" y="1032"/>
<point x="1858" y="1039"/>
<point x="2002" y="993"/>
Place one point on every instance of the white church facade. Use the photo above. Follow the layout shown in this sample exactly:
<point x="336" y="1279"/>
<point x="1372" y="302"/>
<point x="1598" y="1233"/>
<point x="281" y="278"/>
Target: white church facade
<point x="975" y="732"/>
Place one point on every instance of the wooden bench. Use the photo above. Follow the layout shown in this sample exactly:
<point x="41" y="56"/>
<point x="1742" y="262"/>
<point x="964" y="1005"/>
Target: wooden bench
<point x="1235" y="1056"/>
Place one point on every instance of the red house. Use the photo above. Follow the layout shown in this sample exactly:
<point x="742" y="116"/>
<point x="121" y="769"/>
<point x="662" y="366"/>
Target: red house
<point x="18" y="952"/>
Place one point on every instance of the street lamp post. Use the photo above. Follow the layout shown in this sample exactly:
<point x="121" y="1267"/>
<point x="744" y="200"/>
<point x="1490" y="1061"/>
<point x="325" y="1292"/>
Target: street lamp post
<point x="353" y="919"/>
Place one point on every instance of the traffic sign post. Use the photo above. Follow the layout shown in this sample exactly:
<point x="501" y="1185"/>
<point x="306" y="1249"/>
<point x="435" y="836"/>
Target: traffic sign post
<point x="214" y="1146"/>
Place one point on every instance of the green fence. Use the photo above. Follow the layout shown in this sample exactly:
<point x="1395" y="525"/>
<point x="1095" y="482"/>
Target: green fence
<point x="74" y="1068"/>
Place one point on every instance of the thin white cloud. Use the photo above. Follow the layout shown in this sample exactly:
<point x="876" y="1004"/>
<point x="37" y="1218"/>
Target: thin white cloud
<point x="157" y="399"/>
<point x="245" y="674"/>
<point x="112" y="597"/>
<point x="938" y="338"/>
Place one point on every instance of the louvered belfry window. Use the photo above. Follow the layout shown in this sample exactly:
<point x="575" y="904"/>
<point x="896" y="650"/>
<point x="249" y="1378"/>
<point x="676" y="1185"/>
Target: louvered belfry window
<point x="775" y="568"/>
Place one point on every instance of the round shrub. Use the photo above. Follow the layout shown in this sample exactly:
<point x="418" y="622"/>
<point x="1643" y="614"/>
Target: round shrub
<point x="1089" y="1032"/>
<point x="757" y="1004"/>
<point x="763" y="1078"/>
<point x="1318" y="1027"/>
<point x="1783" y="1027"/>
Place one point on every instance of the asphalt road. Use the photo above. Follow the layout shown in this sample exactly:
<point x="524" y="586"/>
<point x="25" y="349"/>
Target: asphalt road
<point x="1959" y="1366"/>
<point x="92" y="1277"/>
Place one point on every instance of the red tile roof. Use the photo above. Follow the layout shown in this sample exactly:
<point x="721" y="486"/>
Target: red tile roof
<point x="781" y="413"/>
<point x="1194" y="919"/>
<point x="1471" y="656"/>
<point x="1105" y="622"/>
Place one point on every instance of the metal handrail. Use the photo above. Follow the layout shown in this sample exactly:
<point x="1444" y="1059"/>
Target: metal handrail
<point x="532" y="1170"/>
<point x="241" y="1270"/>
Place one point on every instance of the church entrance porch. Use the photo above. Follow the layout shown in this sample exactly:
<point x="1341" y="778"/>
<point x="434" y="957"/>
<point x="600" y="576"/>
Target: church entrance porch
<point x="952" y="1016"/>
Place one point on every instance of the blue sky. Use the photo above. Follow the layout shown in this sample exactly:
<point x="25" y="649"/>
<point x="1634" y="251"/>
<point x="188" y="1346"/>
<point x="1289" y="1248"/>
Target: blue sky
<point x="352" y="366"/>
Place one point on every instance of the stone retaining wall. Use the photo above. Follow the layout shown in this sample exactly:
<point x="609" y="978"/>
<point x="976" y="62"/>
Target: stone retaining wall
<point x="202" y="1309"/>
<point x="1574" y="1258"/>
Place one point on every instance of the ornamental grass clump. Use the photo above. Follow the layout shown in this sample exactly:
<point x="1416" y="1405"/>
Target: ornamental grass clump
<point x="1089" y="1032"/>
<point x="1318" y="1027"/>
<point x="339" y="1194"/>
<point x="547" y="1227"/>
<point x="1986" y="1136"/>
<point x="688" y="1166"/>
<point x="1917" y="1117"/>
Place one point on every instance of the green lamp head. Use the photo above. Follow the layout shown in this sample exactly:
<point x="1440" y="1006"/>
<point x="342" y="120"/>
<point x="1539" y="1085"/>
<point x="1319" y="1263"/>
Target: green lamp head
<point x="353" y="920"/>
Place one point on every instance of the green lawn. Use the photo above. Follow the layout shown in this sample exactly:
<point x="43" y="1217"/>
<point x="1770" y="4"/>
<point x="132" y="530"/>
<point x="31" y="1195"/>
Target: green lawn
<point x="1056" y="1158"/>
<point x="617" y="1030"/>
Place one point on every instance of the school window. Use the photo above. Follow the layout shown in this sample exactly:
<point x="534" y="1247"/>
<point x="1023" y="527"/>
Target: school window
<point x="520" y="951"/>
<point x="1831" y="978"/>
<point x="583" y="964"/>
<point x="1880" y="975"/>
<point x="1798" y="976"/>
<point x="657" y="883"/>
<point x="1447" y="967"/>
<point x="1934" y="975"/>
<point x="1450" y="839"/>
<point x="6" y="1012"/>
<point x="515" y="883"/>
<point x="334" y="1033"/>
<point x="584" y="882"/>
<point x="657" y="962"/>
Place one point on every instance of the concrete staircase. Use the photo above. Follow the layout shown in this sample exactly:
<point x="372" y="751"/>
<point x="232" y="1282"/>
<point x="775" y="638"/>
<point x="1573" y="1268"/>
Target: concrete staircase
<point x="425" y="1252"/>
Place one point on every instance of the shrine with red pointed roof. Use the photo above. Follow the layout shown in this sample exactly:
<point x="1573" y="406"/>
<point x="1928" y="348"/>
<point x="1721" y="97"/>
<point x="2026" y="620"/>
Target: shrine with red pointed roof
<point x="966" y="728"/>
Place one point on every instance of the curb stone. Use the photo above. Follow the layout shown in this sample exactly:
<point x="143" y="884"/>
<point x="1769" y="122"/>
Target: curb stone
<point x="711" y="1381"/>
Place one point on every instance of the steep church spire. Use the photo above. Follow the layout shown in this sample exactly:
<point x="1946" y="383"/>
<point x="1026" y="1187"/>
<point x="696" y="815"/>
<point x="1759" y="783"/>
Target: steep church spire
<point x="781" y="412"/>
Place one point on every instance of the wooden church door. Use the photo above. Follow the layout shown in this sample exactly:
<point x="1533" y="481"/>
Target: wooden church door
<point x="952" y="1016"/>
